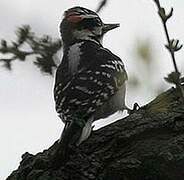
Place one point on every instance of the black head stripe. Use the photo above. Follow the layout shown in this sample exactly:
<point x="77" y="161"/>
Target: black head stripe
<point x="80" y="11"/>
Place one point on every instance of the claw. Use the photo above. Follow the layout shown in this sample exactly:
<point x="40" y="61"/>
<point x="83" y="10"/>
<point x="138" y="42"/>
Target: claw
<point x="135" y="108"/>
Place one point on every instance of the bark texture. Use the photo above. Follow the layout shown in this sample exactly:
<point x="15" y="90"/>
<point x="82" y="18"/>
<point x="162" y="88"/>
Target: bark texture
<point x="146" y="145"/>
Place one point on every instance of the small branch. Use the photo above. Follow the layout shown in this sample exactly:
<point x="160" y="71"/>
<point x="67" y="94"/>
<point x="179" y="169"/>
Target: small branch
<point x="172" y="46"/>
<point x="7" y="63"/>
<point x="157" y="3"/>
<point x="101" y="5"/>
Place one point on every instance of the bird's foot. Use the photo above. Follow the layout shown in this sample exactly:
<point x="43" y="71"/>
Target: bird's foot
<point x="92" y="128"/>
<point x="135" y="108"/>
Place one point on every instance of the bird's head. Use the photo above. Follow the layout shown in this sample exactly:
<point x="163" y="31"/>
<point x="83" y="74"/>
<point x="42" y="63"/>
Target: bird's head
<point x="83" y="24"/>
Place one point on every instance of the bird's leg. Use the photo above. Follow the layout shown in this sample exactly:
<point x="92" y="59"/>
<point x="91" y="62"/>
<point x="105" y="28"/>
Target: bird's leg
<point x="67" y="145"/>
<point x="67" y="123"/>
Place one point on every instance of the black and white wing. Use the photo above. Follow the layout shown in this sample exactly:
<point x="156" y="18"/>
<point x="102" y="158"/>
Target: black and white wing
<point x="89" y="89"/>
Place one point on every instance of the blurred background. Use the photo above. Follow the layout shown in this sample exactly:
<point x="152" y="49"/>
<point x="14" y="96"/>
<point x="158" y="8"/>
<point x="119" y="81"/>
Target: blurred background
<point x="28" y="121"/>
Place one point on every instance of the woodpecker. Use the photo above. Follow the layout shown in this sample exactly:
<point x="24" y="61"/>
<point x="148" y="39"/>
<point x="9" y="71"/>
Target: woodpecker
<point x="90" y="81"/>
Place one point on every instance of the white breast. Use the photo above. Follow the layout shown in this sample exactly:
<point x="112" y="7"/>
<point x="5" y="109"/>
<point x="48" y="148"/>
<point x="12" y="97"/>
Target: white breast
<point x="74" y="53"/>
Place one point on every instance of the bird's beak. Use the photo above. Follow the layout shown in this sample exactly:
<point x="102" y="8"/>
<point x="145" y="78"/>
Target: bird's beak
<point x="108" y="27"/>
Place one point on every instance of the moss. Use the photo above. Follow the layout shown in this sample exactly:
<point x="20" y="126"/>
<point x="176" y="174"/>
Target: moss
<point x="164" y="102"/>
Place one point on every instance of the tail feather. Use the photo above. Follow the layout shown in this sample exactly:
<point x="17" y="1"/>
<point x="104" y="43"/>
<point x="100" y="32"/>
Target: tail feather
<point x="67" y="123"/>
<point x="69" y="138"/>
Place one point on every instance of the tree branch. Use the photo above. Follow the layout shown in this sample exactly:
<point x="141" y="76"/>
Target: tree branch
<point x="148" y="144"/>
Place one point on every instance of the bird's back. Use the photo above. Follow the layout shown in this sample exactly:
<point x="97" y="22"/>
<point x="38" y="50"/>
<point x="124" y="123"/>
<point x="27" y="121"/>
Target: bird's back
<point x="89" y="81"/>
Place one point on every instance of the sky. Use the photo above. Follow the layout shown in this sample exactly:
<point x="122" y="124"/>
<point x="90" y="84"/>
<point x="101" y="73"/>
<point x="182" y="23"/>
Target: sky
<point x="28" y="121"/>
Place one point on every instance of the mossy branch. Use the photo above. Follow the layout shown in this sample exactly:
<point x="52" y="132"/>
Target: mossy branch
<point x="148" y="144"/>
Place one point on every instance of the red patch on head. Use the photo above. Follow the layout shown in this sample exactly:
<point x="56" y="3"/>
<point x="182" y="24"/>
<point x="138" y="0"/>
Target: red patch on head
<point x="74" y="18"/>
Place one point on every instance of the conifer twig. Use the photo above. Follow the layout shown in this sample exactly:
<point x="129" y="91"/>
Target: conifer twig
<point x="44" y="48"/>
